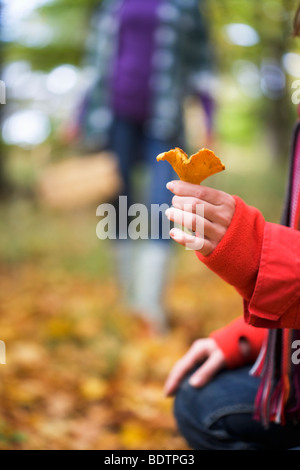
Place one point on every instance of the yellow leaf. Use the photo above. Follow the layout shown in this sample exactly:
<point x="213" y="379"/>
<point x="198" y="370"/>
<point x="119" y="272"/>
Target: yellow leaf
<point x="93" y="388"/>
<point x="134" y="436"/>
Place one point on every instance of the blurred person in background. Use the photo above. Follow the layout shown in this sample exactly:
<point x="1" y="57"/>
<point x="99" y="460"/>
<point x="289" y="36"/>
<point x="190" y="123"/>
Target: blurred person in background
<point x="147" y="57"/>
<point x="239" y="389"/>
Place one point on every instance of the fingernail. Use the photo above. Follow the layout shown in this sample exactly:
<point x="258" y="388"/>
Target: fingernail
<point x="172" y="233"/>
<point x="195" y="381"/>
<point x="176" y="235"/>
<point x="170" y="186"/>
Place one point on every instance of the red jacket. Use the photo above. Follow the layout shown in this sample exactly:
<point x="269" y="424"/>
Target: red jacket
<point x="262" y="261"/>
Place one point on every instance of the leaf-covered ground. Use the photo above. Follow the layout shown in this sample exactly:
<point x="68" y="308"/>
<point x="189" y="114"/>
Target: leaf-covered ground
<point x="81" y="371"/>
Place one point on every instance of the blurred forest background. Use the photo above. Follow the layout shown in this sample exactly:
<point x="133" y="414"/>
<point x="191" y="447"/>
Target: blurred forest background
<point x="80" y="372"/>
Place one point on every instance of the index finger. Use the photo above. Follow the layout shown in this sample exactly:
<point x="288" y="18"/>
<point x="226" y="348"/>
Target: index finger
<point x="204" y="193"/>
<point x="182" y="367"/>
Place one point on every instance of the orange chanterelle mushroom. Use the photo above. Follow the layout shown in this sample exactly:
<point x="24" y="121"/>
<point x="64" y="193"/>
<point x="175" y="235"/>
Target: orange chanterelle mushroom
<point x="195" y="169"/>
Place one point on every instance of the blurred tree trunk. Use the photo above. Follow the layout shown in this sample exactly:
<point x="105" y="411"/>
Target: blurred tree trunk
<point x="278" y="118"/>
<point x="276" y="112"/>
<point x="3" y="179"/>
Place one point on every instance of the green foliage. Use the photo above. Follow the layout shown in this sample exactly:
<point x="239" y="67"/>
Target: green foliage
<point x="69" y="22"/>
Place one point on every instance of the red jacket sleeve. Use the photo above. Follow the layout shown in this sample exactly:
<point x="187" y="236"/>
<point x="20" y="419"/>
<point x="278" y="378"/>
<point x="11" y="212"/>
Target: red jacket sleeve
<point x="262" y="261"/>
<point x="275" y="302"/>
<point x="236" y="258"/>
<point x="229" y="339"/>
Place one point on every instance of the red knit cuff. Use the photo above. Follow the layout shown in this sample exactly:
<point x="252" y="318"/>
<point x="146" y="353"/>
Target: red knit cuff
<point x="229" y="344"/>
<point x="228" y="339"/>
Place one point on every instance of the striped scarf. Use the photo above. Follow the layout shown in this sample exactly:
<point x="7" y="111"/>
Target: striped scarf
<point x="278" y="397"/>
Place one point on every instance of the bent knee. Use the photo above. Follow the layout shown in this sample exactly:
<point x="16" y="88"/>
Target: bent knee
<point x="188" y="414"/>
<point x="199" y="414"/>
